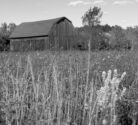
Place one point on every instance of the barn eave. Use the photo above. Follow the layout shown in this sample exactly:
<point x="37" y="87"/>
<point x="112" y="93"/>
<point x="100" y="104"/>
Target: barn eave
<point x="28" y="37"/>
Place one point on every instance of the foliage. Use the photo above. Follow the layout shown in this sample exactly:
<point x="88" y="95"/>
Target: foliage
<point x="91" y="21"/>
<point x="96" y="34"/>
<point x="107" y="37"/>
<point x="92" y="16"/>
<point x="5" y="32"/>
<point x="108" y="94"/>
<point x="118" y="40"/>
<point x="136" y="30"/>
<point x="4" y="44"/>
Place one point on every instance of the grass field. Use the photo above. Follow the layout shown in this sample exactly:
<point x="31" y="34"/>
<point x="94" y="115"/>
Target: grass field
<point x="54" y="88"/>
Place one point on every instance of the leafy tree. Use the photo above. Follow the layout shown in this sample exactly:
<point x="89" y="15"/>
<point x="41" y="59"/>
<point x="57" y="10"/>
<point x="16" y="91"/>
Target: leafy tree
<point x="96" y="34"/>
<point x="92" y="16"/>
<point x="5" y="32"/>
<point x="82" y="38"/>
<point x="136" y="32"/>
<point x="106" y="28"/>
<point x="91" y="19"/>
<point x="118" y="38"/>
<point x="131" y="36"/>
<point x="11" y="27"/>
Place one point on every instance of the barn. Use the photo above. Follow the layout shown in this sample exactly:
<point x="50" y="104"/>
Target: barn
<point x="58" y="33"/>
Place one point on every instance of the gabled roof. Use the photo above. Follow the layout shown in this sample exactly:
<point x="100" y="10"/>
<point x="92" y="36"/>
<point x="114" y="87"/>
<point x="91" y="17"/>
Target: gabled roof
<point x="35" y="29"/>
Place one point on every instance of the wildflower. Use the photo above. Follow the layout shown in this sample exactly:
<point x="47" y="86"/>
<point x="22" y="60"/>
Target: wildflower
<point x="86" y="107"/>
<point x="115" y="80"/>
<point x="110" y="88"/>
<point x="108" y="79"/>
<point x="118" y="56"/>
<point x="114" y="118"/>
<point x="103" y="59"/>
<point x="103" y="95"/>
<point x="103" y="75"/>
<point x="104" y="122"/>
<point x="136" y="101"/>
<point x="123" y="92"/>
<point x="123" y="75"/>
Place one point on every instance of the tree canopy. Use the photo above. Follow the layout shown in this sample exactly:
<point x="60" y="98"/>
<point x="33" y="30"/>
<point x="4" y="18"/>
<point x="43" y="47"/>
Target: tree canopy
<point x="5" y="32"/>
<point x="92" y="16"/>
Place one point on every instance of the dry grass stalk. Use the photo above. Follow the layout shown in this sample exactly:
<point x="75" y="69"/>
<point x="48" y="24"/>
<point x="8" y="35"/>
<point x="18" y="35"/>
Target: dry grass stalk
<point x="57" y="94"/>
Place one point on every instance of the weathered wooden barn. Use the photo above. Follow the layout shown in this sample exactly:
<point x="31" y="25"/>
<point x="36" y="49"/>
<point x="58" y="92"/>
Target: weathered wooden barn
<point x="56" y="33"/>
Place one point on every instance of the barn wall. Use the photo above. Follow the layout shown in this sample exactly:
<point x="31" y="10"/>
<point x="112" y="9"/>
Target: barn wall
<point x="62" y="35"/>
<point x="29" y="44"/>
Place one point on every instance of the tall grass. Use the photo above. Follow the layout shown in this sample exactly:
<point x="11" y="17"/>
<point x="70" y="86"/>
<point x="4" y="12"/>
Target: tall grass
<point x="54" y="89"/>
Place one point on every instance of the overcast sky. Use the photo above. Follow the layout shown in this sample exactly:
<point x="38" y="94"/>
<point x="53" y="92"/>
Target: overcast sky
<point x="115" y="12"/>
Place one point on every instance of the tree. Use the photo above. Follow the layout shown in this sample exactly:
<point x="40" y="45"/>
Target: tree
<point x="91" y="19"/>
<point x="118" y="38"/>
<point x="131" y="35"/>
<point x="136" y="32"/>
<point x="106" y="28"/>
<point x="11" y="27"/>
<point x="5" y="32"/>
<point x="92" y="16"/>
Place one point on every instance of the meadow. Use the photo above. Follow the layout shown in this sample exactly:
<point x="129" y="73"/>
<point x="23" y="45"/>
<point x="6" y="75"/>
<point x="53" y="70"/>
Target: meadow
<point x="60" y="88"/>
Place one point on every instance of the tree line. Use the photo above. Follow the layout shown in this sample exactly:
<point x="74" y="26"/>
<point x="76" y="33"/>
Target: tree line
<point x="104" y="36"/>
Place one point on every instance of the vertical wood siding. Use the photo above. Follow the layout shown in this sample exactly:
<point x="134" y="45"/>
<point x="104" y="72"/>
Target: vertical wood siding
<point x="61" y="36"/>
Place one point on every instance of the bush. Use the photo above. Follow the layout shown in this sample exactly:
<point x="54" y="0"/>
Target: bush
<point x="4" y="44"/>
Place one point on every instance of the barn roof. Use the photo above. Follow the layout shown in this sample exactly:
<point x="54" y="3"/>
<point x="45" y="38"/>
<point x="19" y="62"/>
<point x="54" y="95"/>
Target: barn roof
<point x="35" y="29"/>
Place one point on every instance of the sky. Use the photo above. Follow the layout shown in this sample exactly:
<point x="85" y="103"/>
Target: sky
<point x="115" y="12"/>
